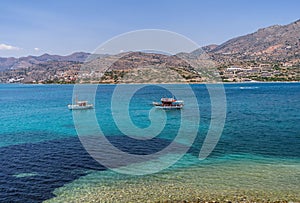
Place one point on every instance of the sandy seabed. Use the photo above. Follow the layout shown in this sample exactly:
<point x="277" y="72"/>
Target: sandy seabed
<point x="228" y="182"/>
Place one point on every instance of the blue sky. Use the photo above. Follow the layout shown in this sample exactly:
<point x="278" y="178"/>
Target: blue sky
<point x="63" y="27"/>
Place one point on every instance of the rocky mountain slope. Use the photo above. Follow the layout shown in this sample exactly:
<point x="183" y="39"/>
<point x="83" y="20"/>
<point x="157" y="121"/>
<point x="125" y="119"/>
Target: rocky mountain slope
<point x="278" y="43"/>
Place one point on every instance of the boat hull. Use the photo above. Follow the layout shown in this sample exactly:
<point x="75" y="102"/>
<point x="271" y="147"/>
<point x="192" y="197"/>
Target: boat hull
<point x="77" y="107"/>
<point x="168" y="103"/>
<point x="168" y="107"/>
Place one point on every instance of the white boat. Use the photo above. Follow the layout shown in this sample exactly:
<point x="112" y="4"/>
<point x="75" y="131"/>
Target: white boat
<point x="169" y="103"/>
<point x="80" y="105"/>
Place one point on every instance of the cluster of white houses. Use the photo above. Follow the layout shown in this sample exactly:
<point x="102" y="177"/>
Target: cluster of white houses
<point x="240" y="74"/>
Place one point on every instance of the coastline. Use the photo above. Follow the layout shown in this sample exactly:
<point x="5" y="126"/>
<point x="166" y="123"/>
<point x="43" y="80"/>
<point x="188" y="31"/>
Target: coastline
<point x="200" y="83"/>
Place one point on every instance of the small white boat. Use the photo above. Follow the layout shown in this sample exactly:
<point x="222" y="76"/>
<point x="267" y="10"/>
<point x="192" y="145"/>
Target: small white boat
<point x="80" y="105"/>
<point x="169" y="103"/>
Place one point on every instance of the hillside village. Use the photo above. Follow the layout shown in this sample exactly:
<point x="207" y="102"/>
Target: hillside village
<point x="70" y="72"/>
<point x="259" y="72"/>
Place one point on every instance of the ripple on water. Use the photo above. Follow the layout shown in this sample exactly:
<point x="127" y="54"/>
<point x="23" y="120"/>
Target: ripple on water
<point x="23" y="175"/>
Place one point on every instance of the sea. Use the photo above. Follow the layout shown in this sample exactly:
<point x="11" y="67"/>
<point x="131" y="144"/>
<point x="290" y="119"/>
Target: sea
<point x="255" y="156"/>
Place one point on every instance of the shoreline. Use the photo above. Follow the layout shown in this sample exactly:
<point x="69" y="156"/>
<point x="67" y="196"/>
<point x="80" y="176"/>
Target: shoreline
<point x="198" y="83"/>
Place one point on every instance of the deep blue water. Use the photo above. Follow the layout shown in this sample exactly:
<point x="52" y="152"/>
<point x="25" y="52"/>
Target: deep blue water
<point x="40" y="150"/>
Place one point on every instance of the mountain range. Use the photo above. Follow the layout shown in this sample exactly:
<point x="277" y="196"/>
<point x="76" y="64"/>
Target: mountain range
<point x="23" y="62"/>
<point x="275" y="45"/>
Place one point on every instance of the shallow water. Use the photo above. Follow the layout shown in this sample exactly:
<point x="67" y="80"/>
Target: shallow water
<point x="231" y="179"/>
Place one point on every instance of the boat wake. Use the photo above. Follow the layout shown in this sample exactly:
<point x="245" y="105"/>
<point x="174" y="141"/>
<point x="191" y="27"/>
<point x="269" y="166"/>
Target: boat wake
<point x="248" y="88"/>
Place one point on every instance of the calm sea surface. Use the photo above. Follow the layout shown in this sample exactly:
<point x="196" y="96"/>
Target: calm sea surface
<point x="257" y="156"/>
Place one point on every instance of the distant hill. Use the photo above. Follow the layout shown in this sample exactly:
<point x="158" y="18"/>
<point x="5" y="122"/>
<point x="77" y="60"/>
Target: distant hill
<point x="139" y="67"/>
<point x="6" y="63"/>
<point x="25" y="62"/>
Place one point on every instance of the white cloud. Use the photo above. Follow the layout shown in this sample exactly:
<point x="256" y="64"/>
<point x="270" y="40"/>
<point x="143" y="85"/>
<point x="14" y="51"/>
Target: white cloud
<point x="8" y="47"/>
<point x="36" y="49"/>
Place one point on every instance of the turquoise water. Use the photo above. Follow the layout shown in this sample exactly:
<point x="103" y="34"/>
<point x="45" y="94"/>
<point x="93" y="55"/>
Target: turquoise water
<point x="257" y="156"/>
<point x="34" y="113"/>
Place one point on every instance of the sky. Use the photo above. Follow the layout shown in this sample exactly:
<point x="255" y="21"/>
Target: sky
<point x="63" y="27"/>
